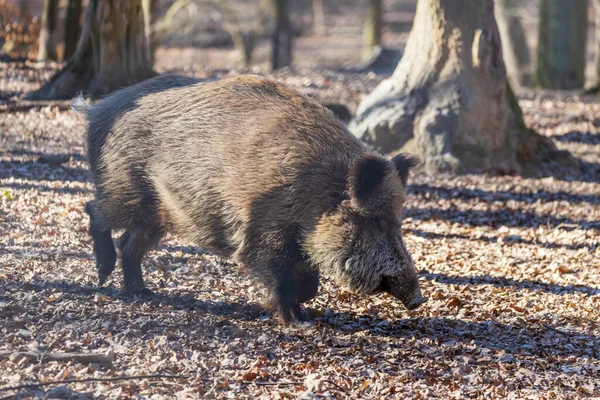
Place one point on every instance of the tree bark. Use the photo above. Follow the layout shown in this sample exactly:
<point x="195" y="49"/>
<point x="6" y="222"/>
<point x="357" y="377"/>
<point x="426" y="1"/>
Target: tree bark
<point x="47" y="43"/>
<point x="372" y="29"/>
<point x="112" y="53"/>
<point x="561" y="45"/>
<point x="448" y="100"/>
<point x="514" y="42"/>
<point x="72" y="27"/>
<point x="282" y="35"/>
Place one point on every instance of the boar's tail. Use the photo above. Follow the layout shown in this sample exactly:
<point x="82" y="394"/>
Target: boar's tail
<point x="79" y="105"/>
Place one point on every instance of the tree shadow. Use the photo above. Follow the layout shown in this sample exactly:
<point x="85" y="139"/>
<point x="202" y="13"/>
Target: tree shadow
<point x="512" y="283"/>
<point x="503" y="196"/>
<point x="50" y="158"/>
<point x="497" y="218"/>
<point x="36" y="249"/>
<point x="45" y="188"/>
<point x="519" y="339"/>
<point x="578" y="137"/>
<point x="590" y="172"/>
<point x="487" y="239"/>
<point x="182" y="300"/>
<point x="39" y="171"/>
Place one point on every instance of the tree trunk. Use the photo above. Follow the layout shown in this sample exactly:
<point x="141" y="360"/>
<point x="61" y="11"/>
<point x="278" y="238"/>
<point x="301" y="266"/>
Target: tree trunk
<point x="282" y="35"/>
<point x="72" y="28"/>
<point x="319" y="17"/>
<point x="112" y="53"/>
<point x="514" y="42"/>
<point x="148" y="8"/>
<point x="448" y="100"/>
<point x="597" y="37"/>
<point x="561" y="45"/>
<point x="372" y="29"/>
<point x="47" y="45"/>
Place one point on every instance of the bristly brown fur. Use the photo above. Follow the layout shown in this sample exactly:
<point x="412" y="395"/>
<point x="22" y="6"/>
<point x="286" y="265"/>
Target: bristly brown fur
<point x="250" y="168"/>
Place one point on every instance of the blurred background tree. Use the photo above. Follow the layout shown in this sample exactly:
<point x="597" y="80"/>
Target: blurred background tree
<point x="72" y="28"/>
<point x="48" y="39"/>
<point x="112" y="52"/>
<point x="373" y="28"/>
<point x="562" y="44"/>
<point x="515" y="48"/>
<point x="281" y="55"/>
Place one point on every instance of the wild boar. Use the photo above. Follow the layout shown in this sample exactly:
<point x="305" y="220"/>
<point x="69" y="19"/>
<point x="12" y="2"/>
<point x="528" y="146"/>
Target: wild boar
<point x="250" y="169"/>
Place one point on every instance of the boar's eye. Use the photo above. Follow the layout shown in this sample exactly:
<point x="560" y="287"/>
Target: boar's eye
<point x="376" y="220"/>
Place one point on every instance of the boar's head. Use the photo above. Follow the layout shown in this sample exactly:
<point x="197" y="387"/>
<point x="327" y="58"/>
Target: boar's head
<point x="360" y="243"/>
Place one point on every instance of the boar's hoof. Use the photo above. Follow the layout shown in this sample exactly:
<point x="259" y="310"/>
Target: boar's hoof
<point x="292" y="317"/>
<point x="101" y="278"/>
<point x="143" y="293"/>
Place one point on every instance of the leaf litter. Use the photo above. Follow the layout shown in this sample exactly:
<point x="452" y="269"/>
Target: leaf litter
<point x="510" y="266"/>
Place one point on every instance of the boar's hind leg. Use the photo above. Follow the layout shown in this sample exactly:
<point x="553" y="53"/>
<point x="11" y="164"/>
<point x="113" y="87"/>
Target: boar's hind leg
<point x="104" y="249"/>
<point x="133" y="245"/>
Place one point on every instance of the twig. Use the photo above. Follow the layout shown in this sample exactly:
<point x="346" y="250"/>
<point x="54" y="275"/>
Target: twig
<point x="559" y="331"/>
<point x="84" y="358"/>
<point x="593" y="321"/>
<point x="275" y="383"/>
<point x="112" y="379"/>
<point x="341" y="389"/>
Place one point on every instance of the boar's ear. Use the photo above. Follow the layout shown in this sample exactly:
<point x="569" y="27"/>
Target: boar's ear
<point x="404" y="163"/>
<point x="367" y="180"/>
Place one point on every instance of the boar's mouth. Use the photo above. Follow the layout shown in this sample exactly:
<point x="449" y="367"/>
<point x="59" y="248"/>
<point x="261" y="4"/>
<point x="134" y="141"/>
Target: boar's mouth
<point x="411" y="299"/>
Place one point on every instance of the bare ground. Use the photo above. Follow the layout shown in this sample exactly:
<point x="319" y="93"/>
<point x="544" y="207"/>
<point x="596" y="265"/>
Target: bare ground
<point x="510" y="265"/>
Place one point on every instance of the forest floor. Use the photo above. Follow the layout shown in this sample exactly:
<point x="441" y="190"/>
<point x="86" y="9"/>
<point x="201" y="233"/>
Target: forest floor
<point x="511" y="267"/>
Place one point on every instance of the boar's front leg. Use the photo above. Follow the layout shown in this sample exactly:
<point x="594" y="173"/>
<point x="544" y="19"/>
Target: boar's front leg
<point x="306" y="280"/>
<point x="271" y="257"/>
<point x="134" y="243"/>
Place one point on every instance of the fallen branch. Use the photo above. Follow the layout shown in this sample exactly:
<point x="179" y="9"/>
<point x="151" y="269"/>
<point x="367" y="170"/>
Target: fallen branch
<point x="84" y="358"/>
<point x="112" y="379"/>
<point x="559" y="331"/>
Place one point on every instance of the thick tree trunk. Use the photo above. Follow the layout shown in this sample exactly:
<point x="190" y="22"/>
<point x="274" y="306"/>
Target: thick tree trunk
<point x="112" y="53"/>
<point x="72" y="28"/>
<point x="47" y="45"/>
<point x="282" y="35"/>
<point x="561" y="44"/>
<point x="448" y="100"/>
<point x="514" y="42"/>
<point x="372" y="29"/>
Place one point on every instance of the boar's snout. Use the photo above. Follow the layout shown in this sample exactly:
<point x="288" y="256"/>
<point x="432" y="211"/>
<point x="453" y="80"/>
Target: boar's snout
<point x="411" y="298"/>
<point x="415" y="302"/>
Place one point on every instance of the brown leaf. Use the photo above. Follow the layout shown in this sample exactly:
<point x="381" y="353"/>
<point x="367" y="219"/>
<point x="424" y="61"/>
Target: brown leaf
<point x="518" y="308"/>
<point x="249" y="376"/>
<point x="565" y="270"/>
<point x="363" y="385"/>
<point x="453" y="302"/>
